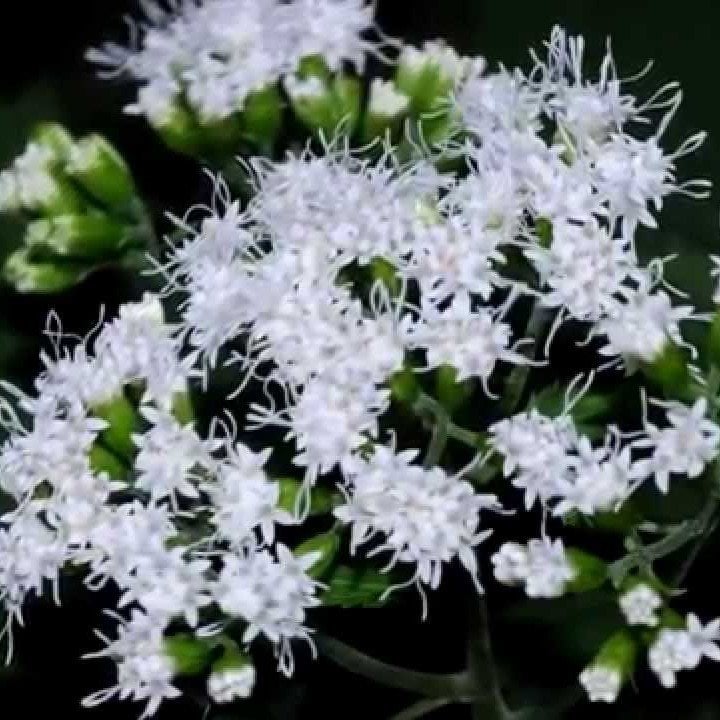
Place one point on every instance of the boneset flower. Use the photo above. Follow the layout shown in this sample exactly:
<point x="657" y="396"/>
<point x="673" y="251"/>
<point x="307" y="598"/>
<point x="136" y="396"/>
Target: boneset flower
<point x="357" y="298"/>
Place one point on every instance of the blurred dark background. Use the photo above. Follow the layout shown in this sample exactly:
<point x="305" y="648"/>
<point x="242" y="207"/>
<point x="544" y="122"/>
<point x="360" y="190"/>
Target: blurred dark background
<point x="44" y="77"/>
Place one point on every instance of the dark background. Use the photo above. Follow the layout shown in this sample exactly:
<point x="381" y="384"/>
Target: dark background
<point x="44" y="77"/>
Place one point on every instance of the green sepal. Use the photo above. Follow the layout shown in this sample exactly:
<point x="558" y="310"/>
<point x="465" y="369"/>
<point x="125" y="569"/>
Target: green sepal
<point x="327" y="546"/>
<point x="356" y="587"/>
<point x="190" y="655"/>
<point x="322" y="500"/>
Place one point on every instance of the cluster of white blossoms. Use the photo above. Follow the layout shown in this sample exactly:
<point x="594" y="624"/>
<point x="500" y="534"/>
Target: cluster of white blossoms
<point x="215" y="53"/>
<point x="105" y="474"/>
<point x="344" y="271"/>
<point x="554" y="464"/>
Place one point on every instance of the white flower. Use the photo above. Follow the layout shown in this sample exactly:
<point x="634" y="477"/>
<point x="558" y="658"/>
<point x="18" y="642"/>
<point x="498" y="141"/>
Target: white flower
<point x="218" y="52"/>
<point x="642" y="325"/>
<point x="682" y="649"/>
<point x="602" y="684"/>
<point x="511" y="564"/>
<point x="640" y="604"/>
<point x="229" y="684"/>
<point x="440" y="57"/>
<point x="584" y="268"/>
<point x="667" y="654"/>
<point x="472" y="341"/>
<point x="541" y="567"/>
<point x="244" y="498"/>
<point x="422" y="516"/>
<point x="29" y="182"/>
<point x="145" y="671"/>
<point x="685" y="447"/>
<point x="600" y="480"/>
<point x="536" y="452"/>
<point x="549" y="570"/>
<point x="171" y="458"/>
<point x="386" y="100"/>
<point x="271" y="594"/>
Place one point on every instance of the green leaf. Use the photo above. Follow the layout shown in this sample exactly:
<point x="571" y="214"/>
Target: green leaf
<point x="356" y="587"/>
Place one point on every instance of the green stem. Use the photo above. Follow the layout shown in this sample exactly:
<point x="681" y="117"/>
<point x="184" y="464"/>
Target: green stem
<point x="423" y="708"/>
<point x="644" y="557"/>
<point x="454" y="686"/>
<point x="426" y="405"/>
<point x="438" y="441"/>
<point x="489" y="703"/>
<point x="517" y="380"/>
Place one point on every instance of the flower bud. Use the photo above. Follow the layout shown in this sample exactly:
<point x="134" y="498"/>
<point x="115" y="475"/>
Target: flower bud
<point x="179" y="130"/>
<point x="385" y="111"/>
<point x="261" y="118"/>
<point x="639" y="603"/>
<point x="604" y="677"/>
<point x="232" y="676"/>
<point x="28" y="276"/>
<point x="325" y="106"/>
<point x="94" y="236"/>
<point x="55" y="138"/>
<point x="190" y="655"/>
<point x="96" y="165"/>
<point x="428" y="75"/>
<point x="326" y="547"/>
<point x="590" y="571"/>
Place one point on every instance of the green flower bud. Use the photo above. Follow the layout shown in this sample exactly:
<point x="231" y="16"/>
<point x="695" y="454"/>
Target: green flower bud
<point x="326" y="547"/>
<point x="96" y="165"/>
<point x="28" y="276"/>
<point x="314" y="66"/>
<point x="55" y="138"/>
<point x="325" y="106"/>
<point x="179" y="130"/>
<point x="387" y="107"/>
<point x="429" y="75"/>
<point x="614" y="664"/>
<point x="261" y="118"/>
<point x="590" y="572"/>
<point x="94" y="236"/>
<point x="190" y="655"/>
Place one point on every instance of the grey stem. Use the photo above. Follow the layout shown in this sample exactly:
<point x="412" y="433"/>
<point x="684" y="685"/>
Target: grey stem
<point x="454" y="686"/>
<point x="423" y="708"/>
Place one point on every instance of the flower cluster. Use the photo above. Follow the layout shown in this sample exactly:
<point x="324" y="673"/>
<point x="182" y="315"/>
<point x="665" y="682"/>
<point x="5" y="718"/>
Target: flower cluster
<point x="216" y="53"/>
<point x="104" y="469"/>
<point x="349" y="281"/>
